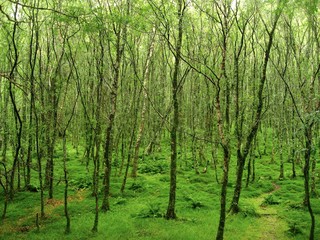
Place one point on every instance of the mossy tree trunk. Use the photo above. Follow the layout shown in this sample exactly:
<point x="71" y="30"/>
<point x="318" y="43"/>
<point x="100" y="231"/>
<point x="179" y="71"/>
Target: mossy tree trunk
<point x="171" y="214"/>
<point x="18" y="121"/>
<point x="99" y="64"/>
<point x="120" y="32"/>
<point x="242" y="154"/>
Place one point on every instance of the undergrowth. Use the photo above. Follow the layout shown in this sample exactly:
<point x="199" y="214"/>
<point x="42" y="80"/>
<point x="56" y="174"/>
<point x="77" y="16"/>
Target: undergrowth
<point x="138" y="213"/>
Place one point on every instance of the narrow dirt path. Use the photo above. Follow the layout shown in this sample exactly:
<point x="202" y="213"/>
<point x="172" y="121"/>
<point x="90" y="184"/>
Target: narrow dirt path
<point x="269" y="226"/>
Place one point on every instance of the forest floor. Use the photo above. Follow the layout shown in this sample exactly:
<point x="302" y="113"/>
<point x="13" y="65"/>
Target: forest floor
<point x="269" y="225"/>
<point x="270" y="208"/>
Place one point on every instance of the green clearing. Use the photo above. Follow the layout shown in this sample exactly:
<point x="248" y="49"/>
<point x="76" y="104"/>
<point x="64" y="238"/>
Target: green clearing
<point x="271" y="209"/>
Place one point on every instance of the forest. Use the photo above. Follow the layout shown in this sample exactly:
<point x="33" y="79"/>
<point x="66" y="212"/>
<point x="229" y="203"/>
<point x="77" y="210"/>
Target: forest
<point x="160" y="119"/>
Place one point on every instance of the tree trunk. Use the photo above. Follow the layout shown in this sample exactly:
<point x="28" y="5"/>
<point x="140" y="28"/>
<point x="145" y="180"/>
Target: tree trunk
<point x="281" y="176"/>
<point x="223" y="197"/>
<point x="120" y="32"/>
<point x="171" y="214"/>
<point x="226" y="159"/>
<point x="65" y="170"/>
<point x="5" y="186"/>
<point x="306" y="169"/>
<point x="242" y="155"/>
<point x="14" y="104"/>
<point x="97" y="133"/>
<point x="144" y="105"/>
<point x="313" y="177"/>
<point x="39" y="159"/>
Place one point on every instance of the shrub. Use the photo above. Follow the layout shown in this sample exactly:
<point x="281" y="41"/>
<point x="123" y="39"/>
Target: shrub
<point x="120" y="201"/>
<point x="136" y="187"/>
<point x="164" y="179"/>
<point x="81" y="183"/>
<point x="296" y="206"/>
<point x="270" y="200"/>
<point x="294" y="229"/>
<point x="194" y="204"/>
<point x="152" y="211"/>
<point x="154" y="167"/>
<point x="249" y="211"/>
<point x="32" y="188"/>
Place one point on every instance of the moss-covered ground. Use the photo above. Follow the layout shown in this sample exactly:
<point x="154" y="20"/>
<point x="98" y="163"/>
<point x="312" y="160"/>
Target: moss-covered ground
<point x="270" y="208"/>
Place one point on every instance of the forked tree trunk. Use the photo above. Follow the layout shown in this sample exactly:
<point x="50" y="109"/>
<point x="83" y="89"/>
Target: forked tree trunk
<point x="242" y="155"/>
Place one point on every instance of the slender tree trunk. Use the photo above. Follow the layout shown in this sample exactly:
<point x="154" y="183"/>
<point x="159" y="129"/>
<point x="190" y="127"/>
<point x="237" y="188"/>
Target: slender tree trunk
<point x="250" y="162"/>
<point x="120" y="32"/>
<point x="313" y="176"/>
<point x="145" y="78"/>
<point x="253" y="169"/>
<point x="39" y="159"/>
<point x="281" y="176"/>
<point x="5" y="186"/>
<point x="5" y="126"/>
<point x="122" y="155"/>
<point x="97" y="133"/>
<point x="128" y="158"/>
<point x="96" y="168"/>
<point x="293" y="151"/>
<point x="65" y="170"/>
<point x="242" y="155"/>
<point x="226" y="160"/>
<point x="171" y="214"/>
<point x="214" y="161"/>
<point x="33" y="50"/>
<point x="14" y="104"/>
<point x="306" y="169"/>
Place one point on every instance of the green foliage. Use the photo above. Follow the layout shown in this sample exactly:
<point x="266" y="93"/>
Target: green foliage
<point x="120" y="201"/>
<point x="294" y="229"/>
<point x="194" y="203"/>
<point x="249" y="211"/>
<point x="154" y="167"/>
<point x="32" y="188"/>
<point x="137" y="187"/>
<point x="270" y="200"/>
<point x="152" y="211"/>
<point x="197" y="206"/>
<point x="200" y="179"/>
<point x="164" y="178"/>
<point x="296" y="206"/>
<point x="81" y="183"/>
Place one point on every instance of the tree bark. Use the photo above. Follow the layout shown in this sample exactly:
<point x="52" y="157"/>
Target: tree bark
<point x="15" y="108"/>
<point x="120" y="32"/>
<point x="171" y="214"/>
<point x="306" y="169"/>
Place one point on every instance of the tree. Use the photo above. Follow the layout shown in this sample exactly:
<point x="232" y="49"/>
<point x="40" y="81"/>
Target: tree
<point x="120" y="31"/>
<point x="242" y="154"/>
<point x="145" y="77"/>
<point x="170" y="214"/>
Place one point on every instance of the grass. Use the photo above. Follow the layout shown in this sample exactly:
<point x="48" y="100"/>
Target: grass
<point x="137" y="214"/>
